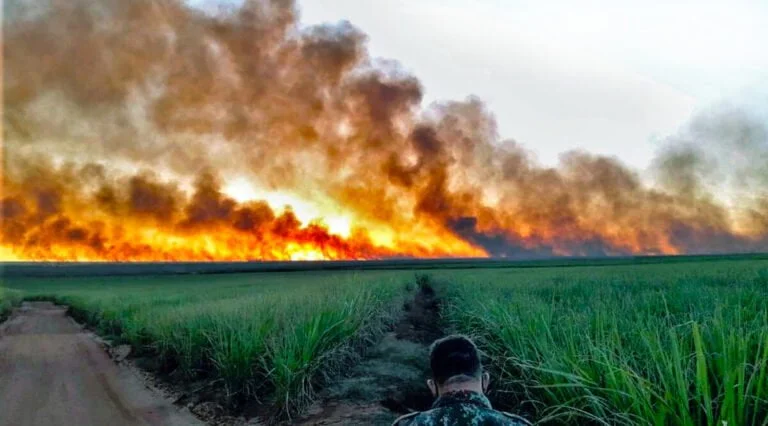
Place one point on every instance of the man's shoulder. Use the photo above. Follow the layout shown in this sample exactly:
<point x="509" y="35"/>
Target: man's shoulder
<point x="506" y="419"/>
<point x="437" y="416"/>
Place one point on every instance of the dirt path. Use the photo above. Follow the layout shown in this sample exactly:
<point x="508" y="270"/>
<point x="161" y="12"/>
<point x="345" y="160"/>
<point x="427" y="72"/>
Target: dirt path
<point x="54" y="373"/>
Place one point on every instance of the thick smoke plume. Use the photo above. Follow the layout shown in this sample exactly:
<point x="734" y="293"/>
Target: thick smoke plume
<point x="123" y="121"/>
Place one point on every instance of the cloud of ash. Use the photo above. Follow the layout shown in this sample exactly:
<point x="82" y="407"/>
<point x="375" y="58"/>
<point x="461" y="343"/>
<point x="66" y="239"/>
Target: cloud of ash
<point x="99" y="93"/>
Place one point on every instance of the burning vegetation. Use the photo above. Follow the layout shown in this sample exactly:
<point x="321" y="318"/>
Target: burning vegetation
<point x="125" y="121"/>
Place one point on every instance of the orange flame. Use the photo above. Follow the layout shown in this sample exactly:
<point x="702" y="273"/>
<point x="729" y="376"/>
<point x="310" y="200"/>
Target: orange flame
<point x="122" y="120"/>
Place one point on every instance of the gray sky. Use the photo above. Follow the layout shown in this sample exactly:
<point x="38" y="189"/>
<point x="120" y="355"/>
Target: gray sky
<point x="609" y="77"/>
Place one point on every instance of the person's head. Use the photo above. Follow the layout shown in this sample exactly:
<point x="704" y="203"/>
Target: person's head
<point x="455" y="363"/>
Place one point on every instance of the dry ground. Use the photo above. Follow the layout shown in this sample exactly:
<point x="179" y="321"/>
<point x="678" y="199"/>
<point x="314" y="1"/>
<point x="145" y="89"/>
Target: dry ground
<point x="52" y="372"/>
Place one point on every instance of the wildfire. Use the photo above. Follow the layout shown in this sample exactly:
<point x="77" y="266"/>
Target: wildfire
<point x="141" y="219"/>
<point x="149" y="130"/>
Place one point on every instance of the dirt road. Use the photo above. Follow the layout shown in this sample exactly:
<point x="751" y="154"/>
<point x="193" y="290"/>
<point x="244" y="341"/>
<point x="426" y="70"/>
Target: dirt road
<point x="54" y="373"/>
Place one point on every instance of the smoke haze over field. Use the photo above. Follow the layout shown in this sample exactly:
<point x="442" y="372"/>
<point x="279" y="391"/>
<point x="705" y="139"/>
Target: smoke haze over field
<point x="124" y="121"/>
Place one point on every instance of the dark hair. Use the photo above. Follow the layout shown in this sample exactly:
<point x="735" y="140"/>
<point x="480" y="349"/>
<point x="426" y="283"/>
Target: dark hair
<point x="454" y="356"/>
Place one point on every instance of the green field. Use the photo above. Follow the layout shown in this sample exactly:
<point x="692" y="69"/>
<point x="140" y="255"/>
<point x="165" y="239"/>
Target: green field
<point x="8" y="298"/>
<point x="269" y="337"/>
<point x="671" y="343"/>
<point x="653" y="344"/>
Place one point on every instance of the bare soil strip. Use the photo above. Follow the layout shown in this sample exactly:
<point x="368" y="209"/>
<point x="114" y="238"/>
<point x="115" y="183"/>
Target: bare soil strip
<point x="390" y="380"/>
<point x="52" y="372"/>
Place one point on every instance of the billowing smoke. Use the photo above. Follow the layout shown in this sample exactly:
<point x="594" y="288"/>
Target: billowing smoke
<point x="123" y="121"/>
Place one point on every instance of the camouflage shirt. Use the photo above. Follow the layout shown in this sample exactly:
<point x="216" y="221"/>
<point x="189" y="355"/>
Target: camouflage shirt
<point x="461" y="408"/>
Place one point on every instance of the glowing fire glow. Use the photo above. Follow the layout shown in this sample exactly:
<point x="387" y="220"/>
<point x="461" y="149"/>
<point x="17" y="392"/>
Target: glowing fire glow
<point x="134" y="131"/>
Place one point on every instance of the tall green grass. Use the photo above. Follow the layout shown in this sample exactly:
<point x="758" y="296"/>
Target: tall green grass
<point x="652" y="345"/>
<point x="274" y="339"/>
<point x="656" y="344"/>
<point x="8" y="299"/>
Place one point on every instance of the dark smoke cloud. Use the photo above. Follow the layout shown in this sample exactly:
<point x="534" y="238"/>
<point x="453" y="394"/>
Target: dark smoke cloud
<point x="105" y="88"/>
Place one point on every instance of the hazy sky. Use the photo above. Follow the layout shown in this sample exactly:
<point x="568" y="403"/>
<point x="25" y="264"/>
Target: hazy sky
<point x="610" y="77"/>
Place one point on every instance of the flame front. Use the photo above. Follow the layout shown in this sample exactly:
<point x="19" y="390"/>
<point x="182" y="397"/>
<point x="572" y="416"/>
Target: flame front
<point x="124" y="122"/>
